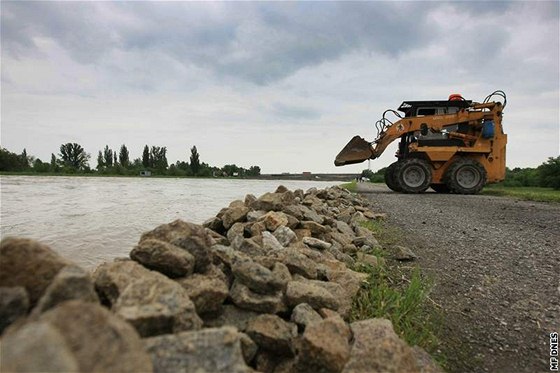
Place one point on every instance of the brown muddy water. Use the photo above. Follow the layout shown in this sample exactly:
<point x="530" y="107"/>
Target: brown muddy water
<point x="95" y="219"/>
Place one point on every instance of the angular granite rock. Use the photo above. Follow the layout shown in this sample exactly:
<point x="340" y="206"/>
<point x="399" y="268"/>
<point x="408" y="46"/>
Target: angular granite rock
<point x="272" y="333"/>
<point x="243" y="297"/>
<point x="71" y="283"/>
<point x="214" y="350"/>
<point x="256" y="277"/>
<point x="75" y="336"/>
<point x="207" y="292"/>
<point x="377" y="349"/>
<point x="234" y="214"/>
<point x="188" y="236"/>
<point x="285" y="235"/>
<point x="307" y="292"/>
<point x="274" y="219"/>
<point x="324" y="346"/>
<point x="316" y="243"/>
<point x="163" y="257"/>
<point x="157" y="305"/>
<point x="304" y="315"/>
<point x="29" y="264"/>
<point x="110" y="279"/>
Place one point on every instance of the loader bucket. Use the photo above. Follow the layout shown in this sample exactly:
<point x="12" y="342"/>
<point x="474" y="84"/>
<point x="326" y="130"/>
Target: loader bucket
<point x="356" y="151"/>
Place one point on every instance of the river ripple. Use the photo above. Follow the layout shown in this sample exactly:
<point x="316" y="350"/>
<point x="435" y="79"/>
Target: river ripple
<point x="95" y="219"/>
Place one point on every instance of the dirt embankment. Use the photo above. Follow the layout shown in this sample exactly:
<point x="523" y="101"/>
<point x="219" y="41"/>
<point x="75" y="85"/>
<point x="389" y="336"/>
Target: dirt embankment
<point x="495" y="262"/>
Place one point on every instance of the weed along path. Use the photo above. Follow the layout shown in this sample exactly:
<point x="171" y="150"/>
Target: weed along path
<point x="495" y="264"/>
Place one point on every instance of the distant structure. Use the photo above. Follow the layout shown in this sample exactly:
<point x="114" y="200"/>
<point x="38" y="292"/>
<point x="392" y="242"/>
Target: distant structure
<point x="145" y="173"/>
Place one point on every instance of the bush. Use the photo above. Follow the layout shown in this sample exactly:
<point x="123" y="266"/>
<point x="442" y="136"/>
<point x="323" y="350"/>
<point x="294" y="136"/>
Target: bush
<point x="549" y="173"/>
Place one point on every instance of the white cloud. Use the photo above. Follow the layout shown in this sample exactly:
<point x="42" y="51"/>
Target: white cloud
<point x="283" y="86"/>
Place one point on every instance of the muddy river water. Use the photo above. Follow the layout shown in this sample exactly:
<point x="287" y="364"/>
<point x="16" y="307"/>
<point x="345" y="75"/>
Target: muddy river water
<point x="95" y="219"/>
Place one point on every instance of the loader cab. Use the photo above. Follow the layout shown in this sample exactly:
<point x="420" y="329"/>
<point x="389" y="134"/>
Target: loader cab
<point x="423" y="108"/>
<point x="429" y="108"/>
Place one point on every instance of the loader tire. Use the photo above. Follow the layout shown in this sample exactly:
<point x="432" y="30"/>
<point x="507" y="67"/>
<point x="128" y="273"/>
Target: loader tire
<point x="440" y="188"/>
<point x="465" y="176"/>
<point x="413" y="175"/>
<point x="390" y="177"/>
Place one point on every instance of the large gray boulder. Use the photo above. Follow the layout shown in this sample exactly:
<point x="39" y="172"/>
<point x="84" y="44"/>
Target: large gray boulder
<point x="206" y="351"/>
<point x="227" y="254"/>
<point x="344" y="228"/>
<point x="377" y="349"/>
<point x="273" y="201"/>
<point x="243" y="297"/>
<point x="74" y="336"/>
<point x="157" y="305"/>
<point x="234" y="214"/>
<point x="207" y="292"/>
<point x="285" y="235"/>
<point x="272" y="333"/>
<point x="256" y="277"/>
<point x="29" y="264"/>
<point x="163" y="257"/>
<point x="150" y="301"/>
<point x="315" y="228"/>
<point x="71" y="283"/>
<point x="316" y="243"/>
<point x="296" y="262"/>
<point x="324" y="346"/>
<point x="274" y="219"/>
<point x="270" y="242"/>
<point x="308" y="292"/>
<point x="304" y="315"/>
<point x="110" y="279"/>
<point x="188" y="236"/>
<point x="37" y="347"/>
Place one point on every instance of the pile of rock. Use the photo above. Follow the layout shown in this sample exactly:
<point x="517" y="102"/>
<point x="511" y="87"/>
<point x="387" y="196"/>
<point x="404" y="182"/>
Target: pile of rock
<point x="264" y="286"/>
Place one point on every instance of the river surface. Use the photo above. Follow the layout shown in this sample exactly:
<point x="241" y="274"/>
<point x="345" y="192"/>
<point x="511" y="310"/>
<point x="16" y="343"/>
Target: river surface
<point x="94" y="219"/>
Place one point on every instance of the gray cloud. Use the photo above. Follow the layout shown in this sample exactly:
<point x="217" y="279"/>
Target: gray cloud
<point x="257" y="42"/>
<point x="281" y="110"/>
<point x="258" y="80"/>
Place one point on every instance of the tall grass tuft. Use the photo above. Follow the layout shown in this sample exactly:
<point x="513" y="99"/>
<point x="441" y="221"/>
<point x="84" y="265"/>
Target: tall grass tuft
<point x="402" y="301"/>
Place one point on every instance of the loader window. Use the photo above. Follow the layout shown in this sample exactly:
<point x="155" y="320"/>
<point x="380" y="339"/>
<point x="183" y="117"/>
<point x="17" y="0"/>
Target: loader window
<point x="452" y="110"/>
<point x="426" y="111"/>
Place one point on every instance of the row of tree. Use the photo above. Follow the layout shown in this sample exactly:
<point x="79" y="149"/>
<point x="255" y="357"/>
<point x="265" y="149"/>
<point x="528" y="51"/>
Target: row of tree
<point x="546" y="175"/>
<point x="74" y="159"/>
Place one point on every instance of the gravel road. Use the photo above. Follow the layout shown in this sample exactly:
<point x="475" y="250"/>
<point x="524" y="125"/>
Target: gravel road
<point x="496" y="266"/>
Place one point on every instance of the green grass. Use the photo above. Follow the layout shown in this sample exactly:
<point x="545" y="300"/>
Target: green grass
<point x="399" y="293"/>
<point x="385" y="234"/>
<point x="377" y="227"/>
<point x="351" y="186"/>
<point x="524" y="193"/>
<point x="401" y="300"/>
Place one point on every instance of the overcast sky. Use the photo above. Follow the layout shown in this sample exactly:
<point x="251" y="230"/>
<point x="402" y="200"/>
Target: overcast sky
<point x="279" y="85"/>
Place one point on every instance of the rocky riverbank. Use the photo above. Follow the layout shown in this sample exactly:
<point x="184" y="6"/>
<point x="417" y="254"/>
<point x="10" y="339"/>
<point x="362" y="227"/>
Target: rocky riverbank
<point x="266" y="285"/>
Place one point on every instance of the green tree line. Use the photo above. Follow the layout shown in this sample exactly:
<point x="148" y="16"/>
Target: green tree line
<point x="546" y="175"/>
<point x="72" y="158"/>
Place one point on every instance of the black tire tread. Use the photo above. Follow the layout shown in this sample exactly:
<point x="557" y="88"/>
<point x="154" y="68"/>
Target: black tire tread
<point x="390" y="177"/>
<point x="450" y="178"/>
<point x="407" y="163"/>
